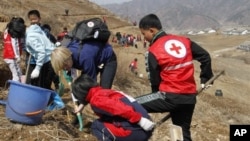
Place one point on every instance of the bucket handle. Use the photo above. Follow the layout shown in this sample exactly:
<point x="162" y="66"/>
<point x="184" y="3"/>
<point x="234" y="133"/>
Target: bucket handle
<point x="28" y="113"/>
<point x="33" y="113"/>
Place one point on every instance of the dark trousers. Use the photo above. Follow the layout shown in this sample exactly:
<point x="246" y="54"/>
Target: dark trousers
<point x="103" y="134"/>
<point x="45" y="78"/>
<point x="181" y="114"/>
<point x="55" y="79"/>
<point x="107" y="74"/>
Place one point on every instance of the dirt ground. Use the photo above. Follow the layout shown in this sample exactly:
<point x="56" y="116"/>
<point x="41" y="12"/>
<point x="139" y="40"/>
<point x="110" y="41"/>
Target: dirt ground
<point x="212" y="117"/>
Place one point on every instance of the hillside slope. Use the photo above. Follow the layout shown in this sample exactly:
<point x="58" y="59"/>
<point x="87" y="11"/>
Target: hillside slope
<point x="53" y="12"/>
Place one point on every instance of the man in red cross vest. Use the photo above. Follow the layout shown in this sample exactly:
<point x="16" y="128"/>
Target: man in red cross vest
<point x="169" y="62"/>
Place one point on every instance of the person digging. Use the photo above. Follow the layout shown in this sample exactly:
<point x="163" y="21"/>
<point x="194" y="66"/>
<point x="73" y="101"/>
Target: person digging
<point x="121" y="117"/>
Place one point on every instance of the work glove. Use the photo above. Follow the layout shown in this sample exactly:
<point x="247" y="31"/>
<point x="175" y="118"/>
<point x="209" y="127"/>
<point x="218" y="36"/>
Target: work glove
<point x="79" y="108"/>
<point x="58" y="44"/>
<point x="101" y="66"/>
<point x="203" y="86"/>
<point x="146" y="124"/>
<point x="35" y="73"/>
<point x="56" y="102"/>
<point x="18" y="60"/>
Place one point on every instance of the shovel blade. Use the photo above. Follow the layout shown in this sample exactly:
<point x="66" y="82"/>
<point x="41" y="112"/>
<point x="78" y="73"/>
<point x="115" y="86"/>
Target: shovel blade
<point x="175" y="133"/>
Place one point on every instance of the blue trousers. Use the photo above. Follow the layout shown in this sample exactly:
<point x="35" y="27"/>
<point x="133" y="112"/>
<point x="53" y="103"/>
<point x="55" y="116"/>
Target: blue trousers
<point x="103" y="134"/>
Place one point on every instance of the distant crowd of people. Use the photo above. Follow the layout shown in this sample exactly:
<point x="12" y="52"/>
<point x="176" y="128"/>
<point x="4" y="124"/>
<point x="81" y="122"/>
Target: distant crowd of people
<point x="126" y="40"/>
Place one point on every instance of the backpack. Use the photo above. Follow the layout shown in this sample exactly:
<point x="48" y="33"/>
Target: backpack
<point x="90" y="29"/>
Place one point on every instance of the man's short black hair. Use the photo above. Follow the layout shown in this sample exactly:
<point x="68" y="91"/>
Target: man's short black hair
<point x="150" y="21"/>
<point x="34" y="12"/>
<point x="81" y="87"/>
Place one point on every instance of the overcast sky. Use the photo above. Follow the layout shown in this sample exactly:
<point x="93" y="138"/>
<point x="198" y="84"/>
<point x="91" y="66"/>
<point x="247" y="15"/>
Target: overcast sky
<point x="101" y="2"/>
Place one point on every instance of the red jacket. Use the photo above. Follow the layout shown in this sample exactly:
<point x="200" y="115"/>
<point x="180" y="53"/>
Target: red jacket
<point x="61" y="35"/>
<point x="174" y="56"/>
<point x="8" y="51"/>
<point x="120" y="115"/>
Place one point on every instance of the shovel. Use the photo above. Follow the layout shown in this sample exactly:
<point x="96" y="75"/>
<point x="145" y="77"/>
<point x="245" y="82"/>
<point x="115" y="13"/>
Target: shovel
<point x="69" y="79"/>
<point x="60" y="90"/>
<point x="78" y="114"/>
<point x="210" y="81"/>
<point x="24" y="77"/>
<point x="176" y="131"/>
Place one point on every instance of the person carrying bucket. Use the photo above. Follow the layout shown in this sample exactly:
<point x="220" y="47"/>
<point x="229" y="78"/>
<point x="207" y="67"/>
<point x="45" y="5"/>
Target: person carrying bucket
<point x="120" y="116"/>
<point x="13" y="43"/>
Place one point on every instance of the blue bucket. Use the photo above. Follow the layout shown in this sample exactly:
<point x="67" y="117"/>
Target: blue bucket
<point x="26" y="103"/>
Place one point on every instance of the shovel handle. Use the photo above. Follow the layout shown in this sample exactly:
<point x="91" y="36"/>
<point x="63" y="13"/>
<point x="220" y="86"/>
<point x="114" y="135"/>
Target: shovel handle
<point x="33" y="113"/>
<point x="198" y="92"/>
<point x="163" y="120"/>
<point x="79" y="116"/>
<point x="27" y="69"/>
<point x="210" y="81"/>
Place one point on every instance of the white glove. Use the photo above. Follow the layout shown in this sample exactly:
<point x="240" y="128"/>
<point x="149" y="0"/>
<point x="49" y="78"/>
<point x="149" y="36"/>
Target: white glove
<point x="58" y="44"/>
<point x="203" y="86"/>
<point x="101" y="66"/>
<point x="79" y="108"/>
<point x="146" y="124"/>
<point x="35" y="73"/>
<point x="18" y="60"/>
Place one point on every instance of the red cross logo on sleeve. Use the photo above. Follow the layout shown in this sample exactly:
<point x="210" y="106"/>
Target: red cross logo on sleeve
<point x="175" y="48"/>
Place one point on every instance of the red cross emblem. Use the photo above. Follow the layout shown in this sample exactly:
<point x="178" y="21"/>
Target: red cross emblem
<point x="175" y="48"/>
